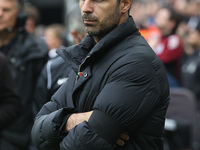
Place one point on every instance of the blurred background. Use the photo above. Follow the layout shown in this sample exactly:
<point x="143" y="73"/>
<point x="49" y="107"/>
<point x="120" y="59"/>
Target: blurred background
<point x="51" y="11"/>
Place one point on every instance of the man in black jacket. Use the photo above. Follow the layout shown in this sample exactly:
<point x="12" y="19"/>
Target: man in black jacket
<point x="26" y="59"/>
<point x="116" y="96"/>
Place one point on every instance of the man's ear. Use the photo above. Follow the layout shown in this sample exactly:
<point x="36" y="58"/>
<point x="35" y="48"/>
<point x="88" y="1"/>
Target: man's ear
<point x="125" y="5"/>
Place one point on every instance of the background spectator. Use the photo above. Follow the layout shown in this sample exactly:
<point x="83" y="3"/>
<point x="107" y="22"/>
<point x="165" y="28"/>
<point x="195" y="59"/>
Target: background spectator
<point x="56" y="71"/>
<point x="33" y="17"/>
<point x="26" y="59"/>
<point x="168" y="45"/>
<point x="54" y="38"/>
<point x="191" y="64"/>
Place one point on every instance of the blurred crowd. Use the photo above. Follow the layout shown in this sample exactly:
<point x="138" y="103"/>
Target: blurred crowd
<point x="171" y="27"/>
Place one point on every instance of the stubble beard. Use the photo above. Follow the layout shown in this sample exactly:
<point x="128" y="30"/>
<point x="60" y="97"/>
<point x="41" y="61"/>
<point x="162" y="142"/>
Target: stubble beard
<point x="102" y="28"/>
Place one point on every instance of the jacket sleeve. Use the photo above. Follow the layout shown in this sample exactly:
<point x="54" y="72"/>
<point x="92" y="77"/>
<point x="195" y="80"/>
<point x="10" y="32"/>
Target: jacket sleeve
<point x="126" y="101"/>
<point x="10" y="107"/>
<point x="47" y="129"/>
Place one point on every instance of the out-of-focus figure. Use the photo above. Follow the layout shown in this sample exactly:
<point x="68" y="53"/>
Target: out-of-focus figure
<point x="56" y="71"/>
<point x="53" y="36"/>
<point x="168" y="45"/>
<point x="26" y="58"/>
<point x="33" y="17"/>
<point x="190" y="72"/>
<point x="191" y="64"/>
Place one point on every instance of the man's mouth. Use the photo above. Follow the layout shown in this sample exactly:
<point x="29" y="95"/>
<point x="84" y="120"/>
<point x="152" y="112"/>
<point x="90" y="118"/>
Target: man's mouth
<point x="87" y="21"/>
<point x="89" y="18"/>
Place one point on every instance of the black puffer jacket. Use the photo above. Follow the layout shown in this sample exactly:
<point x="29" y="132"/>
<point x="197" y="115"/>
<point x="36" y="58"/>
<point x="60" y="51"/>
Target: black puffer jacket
<point x="123" y="81"/>
<point x="26" y="57"/>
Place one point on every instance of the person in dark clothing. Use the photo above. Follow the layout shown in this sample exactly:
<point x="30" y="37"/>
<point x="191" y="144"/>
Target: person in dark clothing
<point x="10" y="107"/>
<point x="56" y="71"/>
<point x="190" y="73"/>
<point x="117" y="93"/>
<point x="26" y="58"/>
<point x="191" y="64"/>
<point x="53" y="75"/>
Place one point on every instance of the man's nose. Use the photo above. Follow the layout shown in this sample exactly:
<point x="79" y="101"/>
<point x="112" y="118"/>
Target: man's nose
<point x="87" y="6"/>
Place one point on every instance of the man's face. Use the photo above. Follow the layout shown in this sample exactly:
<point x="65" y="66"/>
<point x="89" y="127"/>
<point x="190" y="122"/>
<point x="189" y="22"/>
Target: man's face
<point x="99" y="16"/>
<point x="8" y="13"/>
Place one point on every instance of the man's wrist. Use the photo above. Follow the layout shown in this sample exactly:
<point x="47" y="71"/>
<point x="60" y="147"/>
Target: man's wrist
<point x="70" y="122"/>
<point x="76" y="119"/>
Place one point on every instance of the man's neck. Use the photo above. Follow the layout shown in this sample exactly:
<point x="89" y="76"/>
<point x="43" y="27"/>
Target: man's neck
<point x="6" y="37"/>
<point x="98" y="38"/>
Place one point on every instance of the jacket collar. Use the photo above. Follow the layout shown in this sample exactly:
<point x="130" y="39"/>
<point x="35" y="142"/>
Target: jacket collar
<point x="74" y="55"/>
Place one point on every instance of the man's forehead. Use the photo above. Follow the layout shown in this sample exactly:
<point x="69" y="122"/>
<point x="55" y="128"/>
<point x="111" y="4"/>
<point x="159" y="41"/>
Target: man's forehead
<point x="8" y="0"/>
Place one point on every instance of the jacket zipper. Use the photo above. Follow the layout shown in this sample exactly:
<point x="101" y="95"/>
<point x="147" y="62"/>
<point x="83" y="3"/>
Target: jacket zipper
<point x="79" y="68"/>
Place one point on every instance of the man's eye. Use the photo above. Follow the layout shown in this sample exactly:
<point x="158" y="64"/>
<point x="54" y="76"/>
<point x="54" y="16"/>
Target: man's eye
<point x="6" y="9"/>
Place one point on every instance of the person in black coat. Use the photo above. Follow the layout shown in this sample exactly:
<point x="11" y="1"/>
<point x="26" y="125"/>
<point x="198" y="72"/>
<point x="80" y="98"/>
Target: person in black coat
<point x="117" y="93"/>
<point x="10" y="107"/>
<point x="26" y="57"/>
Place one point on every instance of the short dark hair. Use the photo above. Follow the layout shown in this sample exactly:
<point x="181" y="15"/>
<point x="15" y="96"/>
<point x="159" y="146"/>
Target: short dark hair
<point x="174" y="16"/>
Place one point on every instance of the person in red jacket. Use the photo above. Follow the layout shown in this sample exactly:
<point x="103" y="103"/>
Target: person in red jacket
<point x="9" y="100"/>
<point x="167" y="44"/>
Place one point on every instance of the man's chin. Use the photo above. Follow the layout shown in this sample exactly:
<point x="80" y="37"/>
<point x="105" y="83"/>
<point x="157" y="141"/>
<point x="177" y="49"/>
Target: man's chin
<point x="91" y="31"/>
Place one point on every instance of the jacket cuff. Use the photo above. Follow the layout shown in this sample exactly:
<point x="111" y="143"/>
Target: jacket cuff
<point x="105" y="126"/>
<point x="62" y="127"/>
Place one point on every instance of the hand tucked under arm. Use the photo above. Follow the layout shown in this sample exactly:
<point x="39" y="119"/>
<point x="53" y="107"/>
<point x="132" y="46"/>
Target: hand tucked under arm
<point x="121" y="140"/>
<point x="76" y="119"/>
